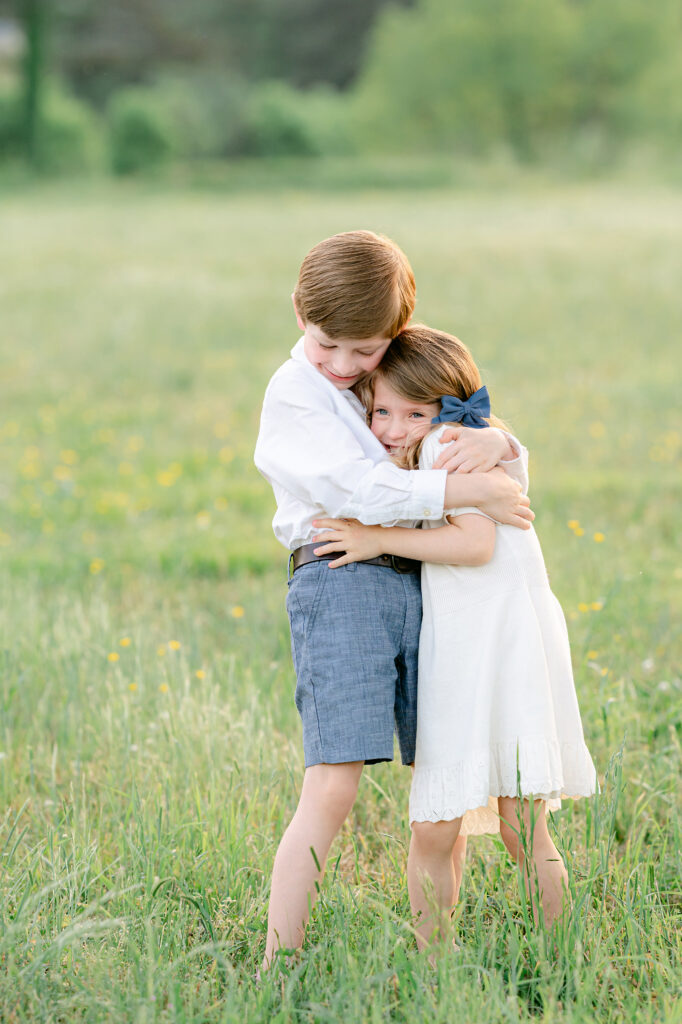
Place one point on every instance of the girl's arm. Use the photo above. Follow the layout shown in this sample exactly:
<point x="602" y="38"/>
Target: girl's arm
<point x="468" y="539"/>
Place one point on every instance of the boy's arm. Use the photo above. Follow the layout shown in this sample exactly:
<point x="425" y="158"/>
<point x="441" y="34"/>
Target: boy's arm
<point x="305" y="448"/>
<point x="473" y="489"/>
<point x="466" y="540"/>
<point x="469" y="450"/>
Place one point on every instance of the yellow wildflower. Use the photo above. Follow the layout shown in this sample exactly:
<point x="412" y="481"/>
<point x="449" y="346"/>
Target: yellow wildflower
<point x="113" y="656"/>
<point x="174" y="645"/>
<point x="132" y="687"/>
<point x="237" y="612"/>
<point x="124" y="641"/>
<point x="578" y="531"/>
<point x="599" y="537"/>
<point x="161" y="650"/>
<point x="96" y="565"/>
<point x="593" y="654"/>
<point x="200" y="674"/>
<point x="163" y="688"/>
<point x="573" y="524"/>
<point x="597" y="606"/>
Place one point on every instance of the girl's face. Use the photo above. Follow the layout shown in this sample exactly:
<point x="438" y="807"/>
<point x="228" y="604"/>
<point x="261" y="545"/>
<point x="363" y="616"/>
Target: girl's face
<point x="397" y="421"/>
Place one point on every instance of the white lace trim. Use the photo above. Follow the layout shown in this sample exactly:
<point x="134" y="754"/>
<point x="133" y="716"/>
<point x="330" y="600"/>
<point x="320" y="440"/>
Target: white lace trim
<point x="548" y="770"/>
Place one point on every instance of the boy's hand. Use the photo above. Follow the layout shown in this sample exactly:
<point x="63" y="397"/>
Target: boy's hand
<point x="504" y="501"/>
<point x="470" y="450"/>
<point x="348" y="535"/>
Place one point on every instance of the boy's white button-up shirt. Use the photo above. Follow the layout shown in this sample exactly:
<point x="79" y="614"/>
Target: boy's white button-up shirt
<point x="320" y="457"/>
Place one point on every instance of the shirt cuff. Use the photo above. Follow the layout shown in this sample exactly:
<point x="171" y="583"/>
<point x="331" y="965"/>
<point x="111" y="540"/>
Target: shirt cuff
<point x="429" y="493"/>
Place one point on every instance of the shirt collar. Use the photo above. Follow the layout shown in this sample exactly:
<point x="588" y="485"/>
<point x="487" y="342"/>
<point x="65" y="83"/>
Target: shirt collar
<point x="298" y="352"/>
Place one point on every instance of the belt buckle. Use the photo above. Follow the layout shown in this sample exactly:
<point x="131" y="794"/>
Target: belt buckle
<point x="290" y="573"/>
<point x="401" y="565"/>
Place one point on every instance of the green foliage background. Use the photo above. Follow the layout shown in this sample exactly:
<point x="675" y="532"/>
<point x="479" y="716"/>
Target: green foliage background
<point x="539" y="79"/>
<point x="149" y="746"/>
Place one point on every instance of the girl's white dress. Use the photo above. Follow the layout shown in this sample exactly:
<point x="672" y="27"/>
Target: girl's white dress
<point x="497" y="708"/>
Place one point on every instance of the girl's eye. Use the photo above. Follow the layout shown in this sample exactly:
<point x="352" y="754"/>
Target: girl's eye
<point x="380" y="412"/>
<point x="420" y="415"/>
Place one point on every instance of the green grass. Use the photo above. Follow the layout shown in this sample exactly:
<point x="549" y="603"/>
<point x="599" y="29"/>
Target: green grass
<point x="143" y="795"/>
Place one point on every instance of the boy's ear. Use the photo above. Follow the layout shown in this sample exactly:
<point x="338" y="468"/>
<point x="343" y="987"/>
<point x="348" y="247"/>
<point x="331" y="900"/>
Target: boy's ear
<point x="299" y="321"/>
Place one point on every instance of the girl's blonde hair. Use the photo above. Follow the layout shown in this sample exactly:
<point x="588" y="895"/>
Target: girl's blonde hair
<point x="421" y="365"/>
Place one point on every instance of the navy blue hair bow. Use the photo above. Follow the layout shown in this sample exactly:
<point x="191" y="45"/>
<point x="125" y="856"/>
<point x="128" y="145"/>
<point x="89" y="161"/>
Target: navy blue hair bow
<point x="472" y="413"/>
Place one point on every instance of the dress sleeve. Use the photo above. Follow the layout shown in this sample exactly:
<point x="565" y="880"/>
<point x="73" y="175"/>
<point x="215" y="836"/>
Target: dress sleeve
<point x="517" y="468"/>
<point x="467" y="510"/>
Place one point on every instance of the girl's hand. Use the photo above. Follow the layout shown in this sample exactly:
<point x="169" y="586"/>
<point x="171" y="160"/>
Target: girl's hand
<point x="348" y="535"/>
<point x="470" y="450"/>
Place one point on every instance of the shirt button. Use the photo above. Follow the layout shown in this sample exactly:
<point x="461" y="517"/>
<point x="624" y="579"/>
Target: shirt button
<point x="426" y="512"/>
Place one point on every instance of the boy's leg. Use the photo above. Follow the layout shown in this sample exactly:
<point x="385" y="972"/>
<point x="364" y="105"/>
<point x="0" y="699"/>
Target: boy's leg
<point x="431" y="876"/>
<point x="327" y="795"/>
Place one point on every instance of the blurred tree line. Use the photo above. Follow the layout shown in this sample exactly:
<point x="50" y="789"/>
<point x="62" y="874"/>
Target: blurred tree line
<point x="138" y="82"/>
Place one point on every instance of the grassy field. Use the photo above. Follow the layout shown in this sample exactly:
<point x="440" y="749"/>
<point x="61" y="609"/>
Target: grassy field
<point x="149" y="746"/>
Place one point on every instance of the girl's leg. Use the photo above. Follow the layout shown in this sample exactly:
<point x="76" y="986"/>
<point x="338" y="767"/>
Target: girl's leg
<point x="327" y="795"/>
<point x="459" y="854"/>
<point x="546" y="874"/>
<point x="431" y="877"/>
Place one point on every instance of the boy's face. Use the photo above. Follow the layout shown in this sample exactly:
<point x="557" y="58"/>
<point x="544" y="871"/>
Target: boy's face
<point x="343" y="361"/>
<point x="396" y="421"/>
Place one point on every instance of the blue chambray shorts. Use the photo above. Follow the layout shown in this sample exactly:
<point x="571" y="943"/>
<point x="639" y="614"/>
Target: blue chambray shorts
<point x="354" y="641"/>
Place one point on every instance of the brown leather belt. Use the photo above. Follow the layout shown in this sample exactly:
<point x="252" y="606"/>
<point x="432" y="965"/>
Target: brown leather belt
<point x="306" y="553"/>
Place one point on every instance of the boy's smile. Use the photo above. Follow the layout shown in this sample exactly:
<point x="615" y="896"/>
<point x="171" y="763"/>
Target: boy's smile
<point x="396" y="420"/>
<point x="343" y="361"/>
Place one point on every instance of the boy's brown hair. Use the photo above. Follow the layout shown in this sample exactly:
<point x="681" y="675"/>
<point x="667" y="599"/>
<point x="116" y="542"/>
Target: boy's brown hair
<point x="356" y="285"/>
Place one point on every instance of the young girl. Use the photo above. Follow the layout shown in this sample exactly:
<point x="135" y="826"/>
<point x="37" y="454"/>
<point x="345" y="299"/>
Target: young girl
<point x="497" y="710"/>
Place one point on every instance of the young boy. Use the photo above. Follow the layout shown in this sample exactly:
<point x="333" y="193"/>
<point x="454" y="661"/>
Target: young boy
<point x="355" y="629"/>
